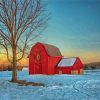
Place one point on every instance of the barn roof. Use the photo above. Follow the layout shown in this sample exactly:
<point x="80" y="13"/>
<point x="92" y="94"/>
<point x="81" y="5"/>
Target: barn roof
<point x="66" y="62"/>
<point x="52" y="50"/>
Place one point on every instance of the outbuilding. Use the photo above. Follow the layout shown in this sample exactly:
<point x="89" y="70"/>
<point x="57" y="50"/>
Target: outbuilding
<point x="69" y="66"/>
<point x="47" y="59"/>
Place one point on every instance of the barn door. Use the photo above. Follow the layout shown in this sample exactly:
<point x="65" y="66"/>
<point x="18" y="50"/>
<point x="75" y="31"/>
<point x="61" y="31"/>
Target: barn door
<point x="37" y="61"/>
<point x="40" y="68"/>
<point x="37" y="69"/>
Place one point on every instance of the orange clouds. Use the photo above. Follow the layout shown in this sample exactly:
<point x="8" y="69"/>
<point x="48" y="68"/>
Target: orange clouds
<point x="86" y="57"/>
<point x="24" y="61"/>
<point x="3" y="60"/>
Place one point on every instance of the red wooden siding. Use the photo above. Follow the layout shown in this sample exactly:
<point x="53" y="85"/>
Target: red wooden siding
<point x="44" y="58"/>
<point x="52" y="62"/>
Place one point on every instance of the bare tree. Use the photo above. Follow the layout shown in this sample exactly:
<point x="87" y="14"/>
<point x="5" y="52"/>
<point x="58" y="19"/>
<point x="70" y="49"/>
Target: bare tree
<point x="20" y="23"/>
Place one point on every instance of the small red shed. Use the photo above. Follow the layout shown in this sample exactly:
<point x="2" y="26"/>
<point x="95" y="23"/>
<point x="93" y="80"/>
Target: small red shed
<point x="69" y="66"/>
<point x="47" y="59"/>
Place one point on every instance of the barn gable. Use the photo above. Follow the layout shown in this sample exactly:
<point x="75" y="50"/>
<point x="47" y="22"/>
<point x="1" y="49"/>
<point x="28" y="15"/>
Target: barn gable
<point x="67" y="62"/>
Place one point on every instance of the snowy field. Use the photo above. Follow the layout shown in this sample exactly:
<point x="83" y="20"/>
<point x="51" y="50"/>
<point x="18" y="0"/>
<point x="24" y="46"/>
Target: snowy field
<point x="57" y="87"/>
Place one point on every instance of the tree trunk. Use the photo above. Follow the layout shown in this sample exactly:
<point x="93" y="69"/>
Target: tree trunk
<point x="14" y="69"/>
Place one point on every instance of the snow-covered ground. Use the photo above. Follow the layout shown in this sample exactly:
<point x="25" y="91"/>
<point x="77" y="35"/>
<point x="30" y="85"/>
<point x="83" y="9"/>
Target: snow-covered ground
<point x="57" y="87"/>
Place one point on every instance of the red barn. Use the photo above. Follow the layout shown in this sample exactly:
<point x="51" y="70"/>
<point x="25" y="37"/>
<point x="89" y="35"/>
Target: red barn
<point x="69" y="66"/>
<point x="47" y="59"/>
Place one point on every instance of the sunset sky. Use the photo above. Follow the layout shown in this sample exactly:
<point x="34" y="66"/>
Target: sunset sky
<point x="74" y="27"/>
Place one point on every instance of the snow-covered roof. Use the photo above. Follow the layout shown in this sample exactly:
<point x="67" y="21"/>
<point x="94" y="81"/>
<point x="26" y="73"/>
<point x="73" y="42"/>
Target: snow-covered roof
<point x="66" y="62"/>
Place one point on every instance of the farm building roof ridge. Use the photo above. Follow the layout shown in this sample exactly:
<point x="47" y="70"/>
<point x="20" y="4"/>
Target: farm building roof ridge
<point x="51" y="49"/>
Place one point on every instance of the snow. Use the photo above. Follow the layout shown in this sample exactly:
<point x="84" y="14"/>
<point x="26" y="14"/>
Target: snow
<point x="25" y="69"/>
<point x="57" y="87"/>
<point x="66" y="62"/>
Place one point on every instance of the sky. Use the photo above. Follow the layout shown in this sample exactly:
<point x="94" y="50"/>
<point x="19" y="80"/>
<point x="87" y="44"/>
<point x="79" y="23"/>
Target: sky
<point x="74" y="27"/>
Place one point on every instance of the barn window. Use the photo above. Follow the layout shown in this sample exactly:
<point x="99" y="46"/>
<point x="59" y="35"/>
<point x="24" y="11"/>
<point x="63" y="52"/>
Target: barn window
<point x="75" y="72"/>
<point x="60" y="72"/>
<point x="38" y="57"/>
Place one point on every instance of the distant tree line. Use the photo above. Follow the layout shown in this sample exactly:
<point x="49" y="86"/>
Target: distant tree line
<point x="91" y="66"/>
<point x="9" y="67"/>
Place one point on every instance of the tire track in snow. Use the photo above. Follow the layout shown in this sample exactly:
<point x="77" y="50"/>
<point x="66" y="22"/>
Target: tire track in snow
<point x="80" y="91"/>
